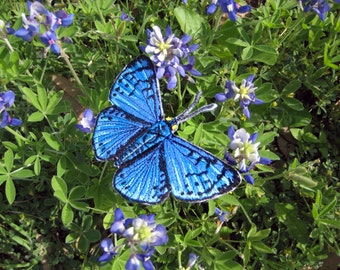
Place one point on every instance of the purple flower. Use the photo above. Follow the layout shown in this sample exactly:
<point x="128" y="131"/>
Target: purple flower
<point x="190" y="67"/>
<point x="87" y="122"/>
<point x="125" y="17"/>
<point x="109" y="250"/>
<point x="36" y="9"/>
<point x="6" y="99"/>
<point x="167" y="53"/>
<point x="222" y="216"/>
<point x="141" y="234"/>
<point x="227" y="6"/>
<point x="145" y="259"/>
<point x="132" y="263"/>
<point x="245" y="152"/>
<point x="43" y="23"/>
<point x="29" y="29"/>
<point x="319" y="6"/>
<point x="7" y="120"/>
<point x="146" y="232"/>
<point x="7" y="29"/>
<point x="118" y="226"/>
<point x="59" y="18"/>
<point x="49" y="38"/>
<point x="246" y="94"/>
<point x="192" y="261"/>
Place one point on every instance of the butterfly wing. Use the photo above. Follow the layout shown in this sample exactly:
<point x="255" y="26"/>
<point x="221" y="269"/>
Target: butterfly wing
<point x="136" y="106"/>
<point x="114" y="130"/>
<point x="194" y="174"/>
<point x="136" y="91"/>
<point x="144" y="178"/>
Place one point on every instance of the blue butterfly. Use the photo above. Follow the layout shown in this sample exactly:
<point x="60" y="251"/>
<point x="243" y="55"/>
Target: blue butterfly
<point x="151" y="160"/>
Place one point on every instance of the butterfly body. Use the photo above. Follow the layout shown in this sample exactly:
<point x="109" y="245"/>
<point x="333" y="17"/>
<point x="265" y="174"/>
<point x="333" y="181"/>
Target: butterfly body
<point x="151" y="161"/>
<point x="148" y="140"/>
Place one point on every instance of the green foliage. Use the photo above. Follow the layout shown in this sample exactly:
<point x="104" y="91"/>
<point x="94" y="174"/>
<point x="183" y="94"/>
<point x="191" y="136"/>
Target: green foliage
<point x="57" y="201"/>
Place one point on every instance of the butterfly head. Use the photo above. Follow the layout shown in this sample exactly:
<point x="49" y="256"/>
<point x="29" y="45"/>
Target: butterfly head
<point x="173" y="123"/>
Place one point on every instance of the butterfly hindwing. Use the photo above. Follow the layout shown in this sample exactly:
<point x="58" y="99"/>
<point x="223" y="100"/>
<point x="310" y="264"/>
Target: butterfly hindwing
<point x="194" y="174"/>
<point x="143" y="179"/>
<point x="114" y="130"/>
<point x="136" y="91"/>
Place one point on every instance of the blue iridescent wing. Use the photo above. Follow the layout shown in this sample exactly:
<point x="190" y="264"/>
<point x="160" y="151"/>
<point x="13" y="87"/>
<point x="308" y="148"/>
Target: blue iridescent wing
<point x="136" y="91"/>
<point x="136" y="106"/>
<point x="194" y="174"/>
<point x="191" y="173"/>
<point x="114" y="130"/>
<point x="144" y="179"/>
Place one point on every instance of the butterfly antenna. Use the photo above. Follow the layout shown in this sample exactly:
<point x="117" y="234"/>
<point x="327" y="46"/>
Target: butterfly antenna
<point x="185" y="115"/>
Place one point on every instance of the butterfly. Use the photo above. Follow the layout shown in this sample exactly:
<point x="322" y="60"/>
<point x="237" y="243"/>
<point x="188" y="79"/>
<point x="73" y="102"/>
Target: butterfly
<point x="151" y="161"/>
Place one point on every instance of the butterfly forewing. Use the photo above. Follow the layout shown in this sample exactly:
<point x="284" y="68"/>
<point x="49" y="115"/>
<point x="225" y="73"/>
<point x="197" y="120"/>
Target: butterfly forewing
<point x="136" y="91"/>
<point x="114" y="131"/>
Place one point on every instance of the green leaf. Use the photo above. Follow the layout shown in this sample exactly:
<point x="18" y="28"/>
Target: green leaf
<point x="192" y="234"/>
<point x="93" y="235"/>
<point x="297" y="133"/>
<point x="329" y="207"/>
<point x="238" y="42"/>
<point x="330" y="222"/>
<point x="259" y="246"/>
<point x="191" y="22"/>
<point x="9" y="159"/>
<point x="257" y="34"/>
<point x="83" y="243"/>
<point x="260" y="235"/>
<point x="77" y="193"/>
<point x="247" y="53"/>
<point x="266" y="138"/>
<point x="229" y="199"/>
<point x="198" y="134"/>
<point x="32" y="98"/>
<point x="251" y="233"/>
<point x="189" y="129"/>
<point x="268" y="154"/>
<point x="266" y="92"/>
<point x="293" y="103"/>
<point x="10" y="190"/>
<point x="310" y="138"/>
<point x="3" y="178"/>
<point x="60" y="188"/>
<point x="37" y="166"/>
<point x="86" y="222"/>
<point x="81" y="206"/>
<point x="303" y="180"/>
<point x="61" y="166"/>
<point x="35" y="117"/>
<point x="53" y="100"/>
<point x="42" y="97"/>
<point x="265" y="54"/>
<point x="291" y="87"/>
<point x="67" y="214"/>
<point x="22" y="174"/>
<point x="52" y="141"/>
<point x="327" y="61"/>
